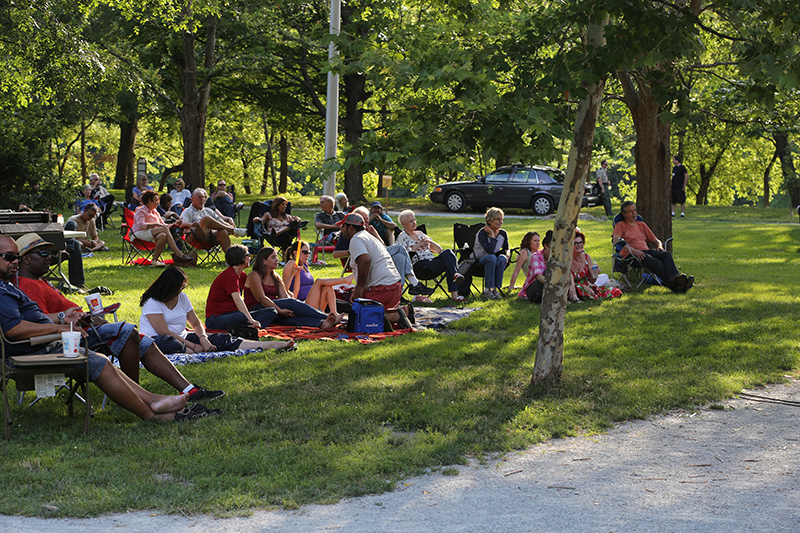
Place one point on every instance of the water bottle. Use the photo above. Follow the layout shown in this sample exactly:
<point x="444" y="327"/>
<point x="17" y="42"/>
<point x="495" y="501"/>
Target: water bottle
<point x="60" y="219"/>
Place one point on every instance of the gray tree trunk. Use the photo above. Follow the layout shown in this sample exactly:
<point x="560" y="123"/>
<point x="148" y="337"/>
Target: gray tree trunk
<point x="550" y="348"/>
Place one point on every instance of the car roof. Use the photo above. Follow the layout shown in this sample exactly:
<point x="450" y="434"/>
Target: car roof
<point x="520" y="165"/>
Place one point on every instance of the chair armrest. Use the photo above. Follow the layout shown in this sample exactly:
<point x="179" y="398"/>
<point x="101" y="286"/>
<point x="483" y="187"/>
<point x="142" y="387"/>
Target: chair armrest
<point x="44" y="339"/>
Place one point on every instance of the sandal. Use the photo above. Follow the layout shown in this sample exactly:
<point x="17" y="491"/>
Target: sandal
<point x="458" y="298"/>
<point x="422" y="298"/>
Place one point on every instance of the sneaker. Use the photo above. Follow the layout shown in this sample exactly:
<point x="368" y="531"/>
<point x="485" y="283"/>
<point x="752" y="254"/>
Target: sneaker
<point x="677" y="284"/>
<point x="199" y="393"/>
<point x="422" y="299"/>
<point x="458" y="277"/>
<point x="239" y="232"/>
<point x="419" y="288"/>
<point x="683" y="215"/>
<point x="689" y="283"/>
<point x="673" y="213"/>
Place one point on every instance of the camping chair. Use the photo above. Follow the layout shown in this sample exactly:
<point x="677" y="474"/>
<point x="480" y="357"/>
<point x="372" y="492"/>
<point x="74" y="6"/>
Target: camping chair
<point x="464" y="239"/>
<point x="321" y="246"/>
<point x="422" y="273"/>
<point x="628" y="268"/>
<point x="134" y="251"/>
<point x="23" y="369"/>
<point x="212" y="249"/>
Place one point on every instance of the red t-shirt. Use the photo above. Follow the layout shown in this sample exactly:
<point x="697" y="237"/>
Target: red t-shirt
<point x="219" y="299"/>
<point x="45" y="295"/>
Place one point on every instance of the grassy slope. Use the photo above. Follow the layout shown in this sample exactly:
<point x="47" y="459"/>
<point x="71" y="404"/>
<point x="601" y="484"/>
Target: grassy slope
<point x="341" y="419"/>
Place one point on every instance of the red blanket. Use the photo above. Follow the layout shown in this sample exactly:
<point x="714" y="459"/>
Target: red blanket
<point x="338" y="334"/>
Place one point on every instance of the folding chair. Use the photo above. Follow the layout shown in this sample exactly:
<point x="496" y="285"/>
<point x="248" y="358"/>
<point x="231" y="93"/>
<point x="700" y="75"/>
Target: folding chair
<point x="422" y="273"/>
<point x="23" y="369"/>
<point x="212" y="250"/>
<point x="464" y="240"/>
<point x="134" y="251"/>
<point x="321" y="246"/>
<point x="626" y="267"/>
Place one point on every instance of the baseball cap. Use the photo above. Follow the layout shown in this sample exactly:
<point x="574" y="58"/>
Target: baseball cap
<point x="376" y="203"/>
<point x="354" y="219"/>
<point x="29" y="241"/>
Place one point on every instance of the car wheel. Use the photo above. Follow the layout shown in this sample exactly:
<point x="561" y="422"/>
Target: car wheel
<point x="455" y="202"/>
<point x="542" y="205"/>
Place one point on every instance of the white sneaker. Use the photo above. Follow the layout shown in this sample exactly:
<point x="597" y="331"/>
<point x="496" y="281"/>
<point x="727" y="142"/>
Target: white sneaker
<point x="239" y="232"/>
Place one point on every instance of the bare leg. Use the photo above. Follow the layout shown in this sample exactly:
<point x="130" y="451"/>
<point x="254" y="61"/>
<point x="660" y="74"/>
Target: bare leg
<point x="129" y="357"/>
<point x="133" y="398"/>
<point x="158" y="365"/>
<point x="266" y="345"/>
<point x="161" y="241"/>
<point x="330" y="322"/>
<point x="163" y="234"/>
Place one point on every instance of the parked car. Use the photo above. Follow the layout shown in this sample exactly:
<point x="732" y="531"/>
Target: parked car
<point x="535" y="187"/>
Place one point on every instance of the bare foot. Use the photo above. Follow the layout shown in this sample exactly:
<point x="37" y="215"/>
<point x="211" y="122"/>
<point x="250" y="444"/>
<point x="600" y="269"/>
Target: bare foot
<point x="168" y="404"/>
<point x="276" y="345"/>
<point x="330" y="322"/>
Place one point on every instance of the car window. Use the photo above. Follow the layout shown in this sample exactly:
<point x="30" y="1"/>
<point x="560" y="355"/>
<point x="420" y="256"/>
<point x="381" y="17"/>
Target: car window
<point x="498" y="177"/>
<point x="544" y="177"/>
<point x="524" y="176"/>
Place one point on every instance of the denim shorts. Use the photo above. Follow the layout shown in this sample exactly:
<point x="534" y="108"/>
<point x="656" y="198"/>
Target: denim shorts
<point x="116" y="335"/>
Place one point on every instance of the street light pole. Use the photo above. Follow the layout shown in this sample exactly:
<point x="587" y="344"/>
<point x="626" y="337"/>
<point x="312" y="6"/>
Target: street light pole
<point x="332" y="103"/>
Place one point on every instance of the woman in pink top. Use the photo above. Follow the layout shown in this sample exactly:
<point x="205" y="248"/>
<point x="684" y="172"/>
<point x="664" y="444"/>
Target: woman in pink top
<point x="149" y="226"/>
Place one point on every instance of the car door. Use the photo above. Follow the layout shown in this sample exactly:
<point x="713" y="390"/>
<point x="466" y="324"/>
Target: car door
<point x="522" y="187"/>
<point x="495" y="191"/>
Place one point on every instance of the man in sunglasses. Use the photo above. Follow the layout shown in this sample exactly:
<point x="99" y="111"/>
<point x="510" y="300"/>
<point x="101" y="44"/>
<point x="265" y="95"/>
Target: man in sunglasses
<point x="21" y="319"/>
<point x="122" y="338"/>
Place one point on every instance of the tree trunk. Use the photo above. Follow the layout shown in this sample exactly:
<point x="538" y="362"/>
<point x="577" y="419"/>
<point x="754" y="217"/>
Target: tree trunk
<point x="550" y="347"/>
<point x="767" y="172"/>
<point x="126" y="157"/>
<point x="353" y="124"/>
<point x="652" y="154"/>
<point x="195" y="100"/>
<point x="787" y="166"/>
<point x="269" y="160"/>
<point x="707" y="174"/>
<point x="84" y="172"/>
<point x="283" y="145"/>
<point x="245" y="170"/>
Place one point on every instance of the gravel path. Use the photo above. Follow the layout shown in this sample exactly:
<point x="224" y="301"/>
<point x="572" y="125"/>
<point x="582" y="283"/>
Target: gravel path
<point x="731" y="469"/>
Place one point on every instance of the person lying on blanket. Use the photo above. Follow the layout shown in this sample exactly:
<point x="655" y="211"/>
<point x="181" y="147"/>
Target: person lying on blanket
<point x="166" y="310"/>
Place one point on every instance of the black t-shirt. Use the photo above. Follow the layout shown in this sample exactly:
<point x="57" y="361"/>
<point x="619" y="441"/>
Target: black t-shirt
<point x="678" y="174"/>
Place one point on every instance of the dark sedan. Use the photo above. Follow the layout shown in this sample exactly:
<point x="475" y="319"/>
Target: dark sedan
<point x="534" y="187"/>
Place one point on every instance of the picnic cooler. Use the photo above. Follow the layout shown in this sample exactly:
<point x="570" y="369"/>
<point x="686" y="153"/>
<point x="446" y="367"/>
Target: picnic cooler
<point x="366" y="316"/>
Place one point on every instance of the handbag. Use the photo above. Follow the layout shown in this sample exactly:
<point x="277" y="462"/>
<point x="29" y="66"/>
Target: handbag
<point x="245" y="332"/>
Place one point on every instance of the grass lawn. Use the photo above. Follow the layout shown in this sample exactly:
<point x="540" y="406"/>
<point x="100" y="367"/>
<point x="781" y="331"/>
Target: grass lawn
<point x="337" y="419"/>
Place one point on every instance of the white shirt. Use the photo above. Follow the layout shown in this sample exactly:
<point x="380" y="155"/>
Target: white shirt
<point x="175" y="318"/>
<point x="382" y="270"/>
<point x="179" y="197"/>
<point x="191" y="215"/>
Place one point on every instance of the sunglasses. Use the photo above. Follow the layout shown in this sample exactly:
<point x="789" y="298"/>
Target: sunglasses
<point x="43" y="253"/>
<point x="304" y="252"/>
<point x="10" y="256"/>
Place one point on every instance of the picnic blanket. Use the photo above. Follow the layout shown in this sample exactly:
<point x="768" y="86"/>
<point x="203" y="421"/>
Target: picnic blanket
<point x="426" y="318"/>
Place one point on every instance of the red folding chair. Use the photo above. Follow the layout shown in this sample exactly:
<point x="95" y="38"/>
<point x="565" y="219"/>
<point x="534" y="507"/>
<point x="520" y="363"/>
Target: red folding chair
<point x="134" y="251"/>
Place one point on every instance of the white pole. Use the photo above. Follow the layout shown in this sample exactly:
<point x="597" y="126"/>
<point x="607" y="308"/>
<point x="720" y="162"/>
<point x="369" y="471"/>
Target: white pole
<point x="332" y="109"/>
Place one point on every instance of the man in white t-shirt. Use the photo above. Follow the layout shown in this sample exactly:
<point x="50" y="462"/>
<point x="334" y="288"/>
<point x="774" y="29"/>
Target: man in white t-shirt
<point x="376" y="276"/>
<point x="208" y="224"/>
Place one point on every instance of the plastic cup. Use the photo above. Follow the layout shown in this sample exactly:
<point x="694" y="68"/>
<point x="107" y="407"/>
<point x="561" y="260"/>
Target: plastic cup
<point x="71" y="341"/>
<point x="95" y="303"/>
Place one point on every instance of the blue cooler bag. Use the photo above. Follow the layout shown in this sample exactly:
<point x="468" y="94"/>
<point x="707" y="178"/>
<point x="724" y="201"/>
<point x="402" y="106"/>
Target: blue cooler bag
<point x="366" y="316"/>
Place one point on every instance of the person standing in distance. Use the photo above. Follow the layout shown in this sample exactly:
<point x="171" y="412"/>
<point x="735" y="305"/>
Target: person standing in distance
<point x="680" y="178"/>
<point x="604" y="184"/>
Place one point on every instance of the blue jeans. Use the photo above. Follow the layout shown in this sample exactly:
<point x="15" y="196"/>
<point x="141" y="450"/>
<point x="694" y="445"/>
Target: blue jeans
<point x="494" y="266"/>
<point x="444" y="262"/>
<point x="402" y="262"/>
<point x="304" y="314"/>
<point x="225" y="321"/>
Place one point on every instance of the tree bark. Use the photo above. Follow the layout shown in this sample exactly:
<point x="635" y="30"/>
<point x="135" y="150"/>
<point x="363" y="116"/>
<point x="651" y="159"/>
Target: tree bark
<point x="790" y="180"/>
<point x="353" y="123"/>
<point x="283" y="145"/>
<point x="550" y="347"/>
<point x="126" y="157"/>
<point x="195" y="98"/>
<point x="651" y="152"/>
<point x="767" y="172"/>
<point x="707" y="173"/>
<point x="84" y="172"/>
